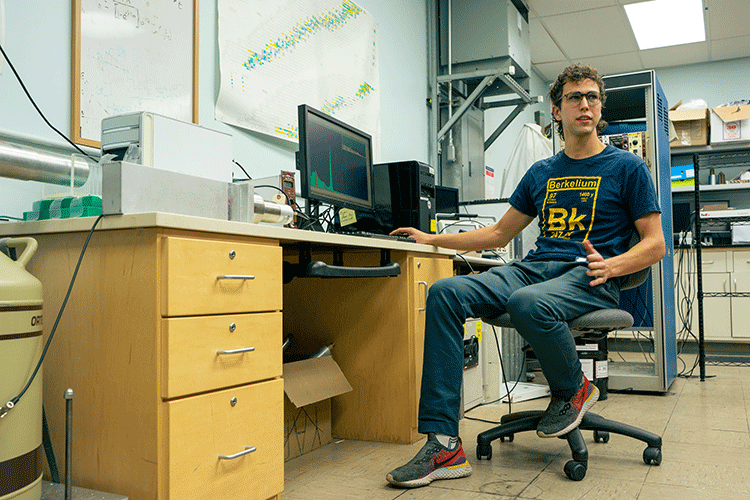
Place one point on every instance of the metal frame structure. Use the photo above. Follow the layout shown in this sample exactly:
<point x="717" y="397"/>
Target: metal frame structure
<point x="495" y="78"/>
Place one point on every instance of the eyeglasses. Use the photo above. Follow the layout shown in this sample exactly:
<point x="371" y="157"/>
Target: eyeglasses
<point x="575" y="98"/>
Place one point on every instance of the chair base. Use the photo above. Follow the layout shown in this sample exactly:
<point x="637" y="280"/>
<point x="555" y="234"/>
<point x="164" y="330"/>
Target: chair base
<point x="575" y="469"/>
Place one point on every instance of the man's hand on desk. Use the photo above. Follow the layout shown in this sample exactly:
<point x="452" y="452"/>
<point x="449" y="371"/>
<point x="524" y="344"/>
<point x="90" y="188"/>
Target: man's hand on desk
<point x="418" y="235"/>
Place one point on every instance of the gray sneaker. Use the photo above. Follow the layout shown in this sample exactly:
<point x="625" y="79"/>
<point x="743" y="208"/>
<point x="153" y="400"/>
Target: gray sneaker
<point x="564" y="415"/>
<point x="434" y="461"/>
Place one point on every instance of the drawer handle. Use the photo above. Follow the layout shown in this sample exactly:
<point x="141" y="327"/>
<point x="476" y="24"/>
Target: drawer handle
<point x="236" y="351"/>
<point x="248" y="450"/>
<point x="707" y="262"/>
<point x="235" y="277"/>
<point x="425" y="295"/>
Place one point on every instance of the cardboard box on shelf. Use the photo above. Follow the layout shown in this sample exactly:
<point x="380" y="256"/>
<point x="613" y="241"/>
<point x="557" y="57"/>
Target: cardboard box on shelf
<point x="309" y="386"/>
<point x="690" y="125"/>
<point x="730" y="124"/>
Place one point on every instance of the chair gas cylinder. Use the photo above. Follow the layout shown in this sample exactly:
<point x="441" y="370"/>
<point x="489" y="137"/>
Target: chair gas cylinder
<point x="21" y="449"/>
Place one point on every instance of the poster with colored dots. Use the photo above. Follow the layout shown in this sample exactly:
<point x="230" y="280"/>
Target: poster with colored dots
<point x="274" y="56"/>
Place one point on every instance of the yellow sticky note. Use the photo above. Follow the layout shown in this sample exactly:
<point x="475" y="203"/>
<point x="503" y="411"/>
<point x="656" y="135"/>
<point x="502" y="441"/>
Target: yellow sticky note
<point x="347" y="216"/>
<point x="479" y="330"/>
<point x="433" y="225"/>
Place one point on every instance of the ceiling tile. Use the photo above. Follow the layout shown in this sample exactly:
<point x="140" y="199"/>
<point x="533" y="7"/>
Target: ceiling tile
<point x="550" y="70"/>
<point x="728" y="18"/>
<point x="544" y="8"/>
<point x="599" y="32"/>
<point x="616" y="63"/>
<point x="730" y="48"/>
<point x="675" y="56"/>
<point x="543" y="48"/>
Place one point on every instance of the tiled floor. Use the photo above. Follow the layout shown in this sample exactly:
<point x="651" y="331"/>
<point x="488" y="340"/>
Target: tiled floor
<point x="706" y="454"/>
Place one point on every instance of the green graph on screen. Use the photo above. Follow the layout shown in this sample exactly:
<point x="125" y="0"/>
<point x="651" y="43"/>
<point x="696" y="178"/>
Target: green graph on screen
<point x="317" y="182"/>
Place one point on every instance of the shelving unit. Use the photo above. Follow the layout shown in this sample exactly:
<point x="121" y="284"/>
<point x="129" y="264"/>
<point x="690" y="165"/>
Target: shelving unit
<point x="734" y="158"/>
<point x="730" y="159"/>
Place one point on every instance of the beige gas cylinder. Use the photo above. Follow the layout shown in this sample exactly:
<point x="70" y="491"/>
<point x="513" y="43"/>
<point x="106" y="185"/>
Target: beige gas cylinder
<point x="21" y="451"/>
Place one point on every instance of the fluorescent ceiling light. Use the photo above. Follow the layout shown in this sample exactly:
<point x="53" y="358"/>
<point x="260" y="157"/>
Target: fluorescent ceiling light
<point x="661" y="23"/>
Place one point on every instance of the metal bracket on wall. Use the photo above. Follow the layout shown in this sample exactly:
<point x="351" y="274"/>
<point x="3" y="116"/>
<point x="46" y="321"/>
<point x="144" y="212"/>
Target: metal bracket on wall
<point x="489" y="77"/>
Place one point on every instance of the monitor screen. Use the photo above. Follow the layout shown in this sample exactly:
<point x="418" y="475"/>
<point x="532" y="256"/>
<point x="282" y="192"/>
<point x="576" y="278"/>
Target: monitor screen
<point x="446" y="200"/>
<point x="334" y="160"/>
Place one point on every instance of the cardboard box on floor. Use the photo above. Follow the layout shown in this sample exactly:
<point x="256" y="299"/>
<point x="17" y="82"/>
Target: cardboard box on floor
<point x="309" y="386"/>
<point x="690" y="125"/>
<point x="730" y="124"/>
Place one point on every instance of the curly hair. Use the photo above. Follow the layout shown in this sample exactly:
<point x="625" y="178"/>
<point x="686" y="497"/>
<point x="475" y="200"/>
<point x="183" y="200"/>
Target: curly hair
<point x="576" y="73"/>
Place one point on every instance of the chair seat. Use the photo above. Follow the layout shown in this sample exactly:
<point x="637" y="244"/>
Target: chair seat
<point x="599" y="320"/>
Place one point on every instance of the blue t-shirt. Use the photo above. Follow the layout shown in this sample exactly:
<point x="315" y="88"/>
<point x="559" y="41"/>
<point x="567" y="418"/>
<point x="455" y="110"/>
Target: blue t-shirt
<point x="596" y="198"/>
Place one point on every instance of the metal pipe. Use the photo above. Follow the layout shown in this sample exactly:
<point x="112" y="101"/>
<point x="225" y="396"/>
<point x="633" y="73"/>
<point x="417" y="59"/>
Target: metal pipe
<point x="433" y="147"/>
<point x="30" y="164"/>
<point x="468" y="102"/>
<point x="68" y="447"/>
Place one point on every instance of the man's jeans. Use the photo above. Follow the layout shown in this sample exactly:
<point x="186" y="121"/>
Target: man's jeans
<point x="540" y="298"/>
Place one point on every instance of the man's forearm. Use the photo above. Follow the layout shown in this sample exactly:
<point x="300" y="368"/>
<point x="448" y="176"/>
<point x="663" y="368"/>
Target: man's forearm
<point x="478" y="239"/>
<point x="643" y="255"/>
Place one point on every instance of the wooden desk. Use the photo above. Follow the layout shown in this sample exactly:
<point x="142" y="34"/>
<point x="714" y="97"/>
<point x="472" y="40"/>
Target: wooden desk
<point x="156" y="405"/>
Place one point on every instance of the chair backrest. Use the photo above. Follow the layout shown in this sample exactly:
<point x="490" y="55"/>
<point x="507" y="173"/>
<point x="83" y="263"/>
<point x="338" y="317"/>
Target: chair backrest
<point x="637" y="278"/>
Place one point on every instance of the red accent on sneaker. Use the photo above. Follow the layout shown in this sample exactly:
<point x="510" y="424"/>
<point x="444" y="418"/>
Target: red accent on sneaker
<point x="583" y="394"/>
<point x="448" y="458"/>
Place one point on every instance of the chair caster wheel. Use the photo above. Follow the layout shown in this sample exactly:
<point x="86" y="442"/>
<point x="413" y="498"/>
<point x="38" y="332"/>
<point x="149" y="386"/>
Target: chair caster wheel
<point x="484" y="451"/>
<point x="652" y="456"/>
<point x="602" y="436"/>
<point x="509" y="437"/>
<point x="575" y="470"/>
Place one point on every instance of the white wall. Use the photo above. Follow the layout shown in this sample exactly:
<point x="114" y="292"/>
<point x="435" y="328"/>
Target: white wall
<point x="716" y="83"/>
<point x="38" y="42"/>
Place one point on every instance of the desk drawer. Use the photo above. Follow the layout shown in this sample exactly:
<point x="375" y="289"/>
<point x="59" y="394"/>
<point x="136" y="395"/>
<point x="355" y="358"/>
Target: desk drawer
<point x="715" y="261"/>
<point x="195" y="357"/>
<point x="201" y="428"/>
<point x="203" y="277"/>
<point x="741" y="261"/>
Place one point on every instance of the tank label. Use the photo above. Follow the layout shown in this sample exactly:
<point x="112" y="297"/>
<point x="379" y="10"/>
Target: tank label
<point x="20" y="322"/>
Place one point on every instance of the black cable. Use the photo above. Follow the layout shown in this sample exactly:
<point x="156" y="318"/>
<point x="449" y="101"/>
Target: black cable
<point x="508" y="391"/>
<point x="59" y="314"/>
<point x="243" y="169"/>
<point x="311" y="221"/>
<point x="6" y="217"/>
<point x="18" y="77"/>
<point x="502" y="367"/>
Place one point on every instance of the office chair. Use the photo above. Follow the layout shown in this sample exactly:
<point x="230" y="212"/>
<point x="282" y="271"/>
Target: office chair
<point x="594" y="325"/>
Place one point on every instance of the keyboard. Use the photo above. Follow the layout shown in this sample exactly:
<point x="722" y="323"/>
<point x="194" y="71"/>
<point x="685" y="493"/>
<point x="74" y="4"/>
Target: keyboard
<point x="395" y="237"/>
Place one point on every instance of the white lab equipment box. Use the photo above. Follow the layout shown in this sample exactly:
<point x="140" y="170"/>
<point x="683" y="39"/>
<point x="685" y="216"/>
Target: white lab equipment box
<point x="156" y="141"/>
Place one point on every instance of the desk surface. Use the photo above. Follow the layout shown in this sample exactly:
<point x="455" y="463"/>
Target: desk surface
<point x="173" y="221"/>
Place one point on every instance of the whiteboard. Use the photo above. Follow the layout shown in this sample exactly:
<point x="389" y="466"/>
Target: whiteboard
<point x="133" y="55"/>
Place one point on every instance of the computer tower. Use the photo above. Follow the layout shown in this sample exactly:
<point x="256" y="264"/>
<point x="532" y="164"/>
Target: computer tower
<point x="404" y="195"/>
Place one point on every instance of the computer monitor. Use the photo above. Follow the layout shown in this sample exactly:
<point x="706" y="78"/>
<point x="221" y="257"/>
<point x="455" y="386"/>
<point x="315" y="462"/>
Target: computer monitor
<point x="446" y="200"/>
<point x="334" y="160"/>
